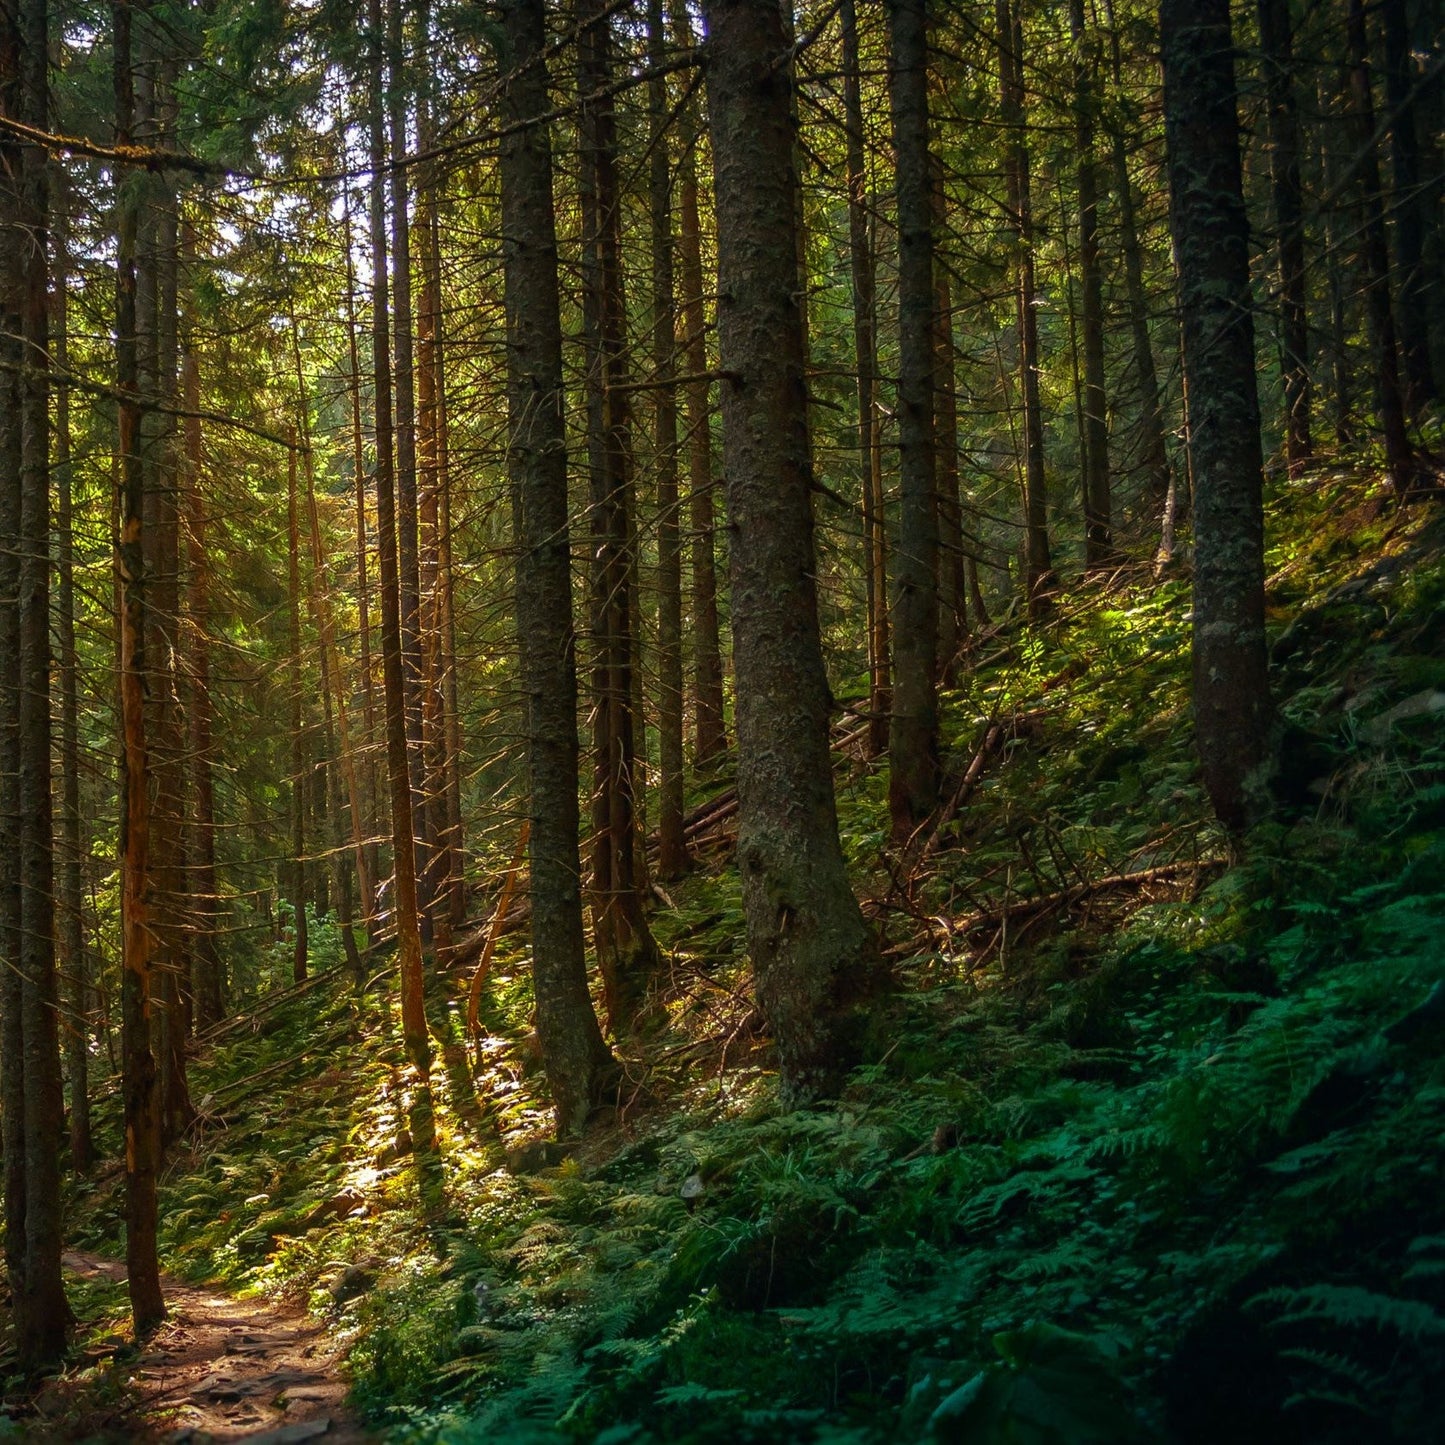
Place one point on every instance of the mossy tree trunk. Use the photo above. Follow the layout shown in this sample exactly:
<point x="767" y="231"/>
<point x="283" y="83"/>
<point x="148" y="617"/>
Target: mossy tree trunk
<point x="1232" y="712"/>
<point x="576" y="1059"/>
<point x="812" y="958"/>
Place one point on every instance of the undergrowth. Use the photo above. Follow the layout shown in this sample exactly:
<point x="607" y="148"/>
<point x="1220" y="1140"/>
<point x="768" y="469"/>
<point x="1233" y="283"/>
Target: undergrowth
<point x="1159" y="1159"/>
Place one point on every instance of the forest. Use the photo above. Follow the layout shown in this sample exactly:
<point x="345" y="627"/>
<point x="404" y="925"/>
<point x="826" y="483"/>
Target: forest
<point x="722" y="721"/>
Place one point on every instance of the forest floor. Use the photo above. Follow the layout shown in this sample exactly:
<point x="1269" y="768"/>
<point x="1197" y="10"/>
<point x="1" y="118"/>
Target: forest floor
<point x="222" y="1368"/>
<point x="1147" y="1145"/>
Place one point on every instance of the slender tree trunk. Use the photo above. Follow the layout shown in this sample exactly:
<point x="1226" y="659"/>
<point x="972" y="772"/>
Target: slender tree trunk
<point x="142" y="1118"/>
<point x="300" y="753"/>
<point x="672" y="850"/>
<point x="33" y="1099"/>
<point x="709" y="736"/>
<point x="913" y="734"/>
<point x="371" y="874"/>
<point x="334" y="696"/>
<point x="1379" y="310"/>
<point x="626" y="954"/>
<point x="574" y="1055"/>
<point x="70" y="896"/>
<point x="812" y="958"/>
<point x="209" y="978"/>
<point x="1335" y="253"/>
<point x="404" y="903"/>
<point x="1153" y="453"/>
<point x="1098" y="532"/>
<point x="12" y="1022"/>
<point x="1277" y="46"/>
<point x="1039" y="580"/>
<point x="952" y="585"/>
<point x="1409" y="202"/>
<point x="442" y="722"/>
<point x="865" y="351"/>
<point x="158" y="300"/>
<point x="407" y="517"/>
<point x="1232" y="711"/>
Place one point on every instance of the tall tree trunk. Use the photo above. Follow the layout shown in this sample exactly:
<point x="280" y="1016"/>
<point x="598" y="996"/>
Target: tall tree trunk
<point x="1098" y="532"/>
<point x="334" y="696"/>
<point x="709" y="736"/>
<point x="209" y="977"/>
<point x="371" y="874"/>
<point x="865" y="351"/>
<point x="442" y="724"/>
<point x="913" y="734"/>
<point x="159" y="361"/>
<point x="1153" y="453"/>
<point x="142" y="1117"/>
<point x="300" y="752"/>
<point x="576" y="1059"/>
<point x="1277" y="45"/>
<point x="672" y="850"/>
<point x="952" y="583"/>
<point x="404" y="902"/>
<point x="407" y="519"/>
<point x="70" y="895"/>
<point x="626" y="953"/>
<point x="1409" y="203"/>
<point x="12" y="1019"/>
<point x="1232" y="712"/>
<point x="1039" y="580"/>
<point x="33" y="1100"/>
<point x="811" y="954"/>
<point x="1379" y="310"/>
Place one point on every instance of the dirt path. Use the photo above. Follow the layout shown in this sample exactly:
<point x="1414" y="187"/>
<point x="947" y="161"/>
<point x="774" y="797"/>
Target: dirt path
<point x="224" y="1369"/>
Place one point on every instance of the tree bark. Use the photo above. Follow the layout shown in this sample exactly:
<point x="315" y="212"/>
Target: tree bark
<point x="1379" y="309"/>
<point x="1039" y="579"/>
<point x="1153" y="453"/>
<point x="1277" y="45"/>
<point x="865" y="352"/>
<point x="952" y="580"/>
<point x="812" y="959"/>
<point x="1098" y="532"/>
<point x="405" y="908"/>
<point x="300" y="753"/>
<point x="33" y="1096"/>
<point x="709" y="732"/>
<point x="1409" y="203"/>
<point x="672" y="850"/>
<point x="363" y="596"/>
<point x="142" y="1119"/>
<point x="70" y="895"/>
<point x="626" y="953"/>
<point x="1232" y="711"/>
<point x="407" y="518"/>
<point x="913" y="733"/>
<point x="576" y="1060"/>
<point x="209" y="976"/>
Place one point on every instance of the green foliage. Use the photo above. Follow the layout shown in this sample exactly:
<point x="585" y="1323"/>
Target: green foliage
<point x="1158" y="1163"/>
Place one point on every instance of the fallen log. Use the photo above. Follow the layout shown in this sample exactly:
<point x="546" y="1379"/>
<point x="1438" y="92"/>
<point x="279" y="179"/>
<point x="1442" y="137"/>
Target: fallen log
<point x="1021" y="907"/>
<point x="479" y="976"/>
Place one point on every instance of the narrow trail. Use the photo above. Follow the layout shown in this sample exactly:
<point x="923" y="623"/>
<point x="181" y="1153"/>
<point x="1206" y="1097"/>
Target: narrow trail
<point x="227" y="1369"/>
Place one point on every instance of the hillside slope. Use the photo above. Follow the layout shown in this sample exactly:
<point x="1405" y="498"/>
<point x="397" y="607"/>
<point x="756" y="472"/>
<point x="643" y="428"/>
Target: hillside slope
<point x="1149" y="1145"/>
